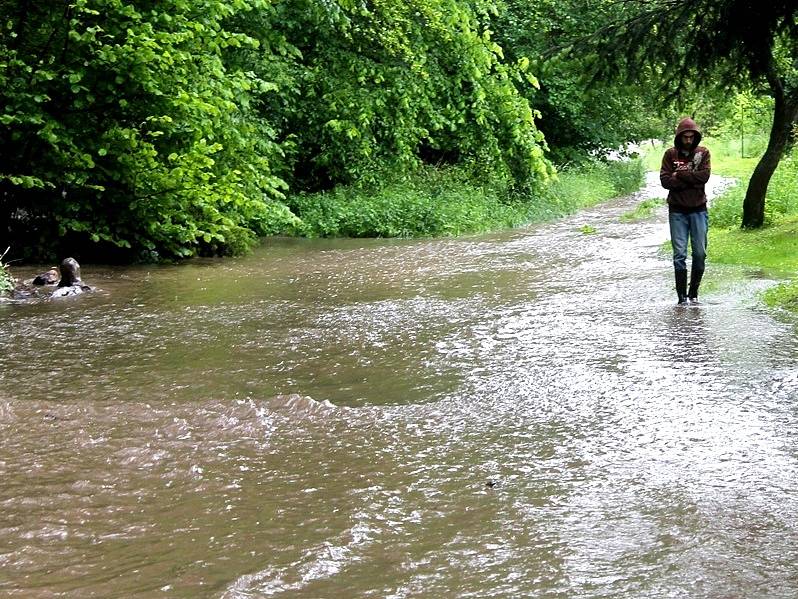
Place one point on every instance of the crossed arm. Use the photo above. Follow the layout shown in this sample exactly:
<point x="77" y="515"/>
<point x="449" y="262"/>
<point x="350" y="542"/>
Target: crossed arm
<point x="675" y="178"/>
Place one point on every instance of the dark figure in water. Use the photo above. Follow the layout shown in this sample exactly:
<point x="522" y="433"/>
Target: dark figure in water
<point x="70" y="283"/>
<point x="51" y="277"/>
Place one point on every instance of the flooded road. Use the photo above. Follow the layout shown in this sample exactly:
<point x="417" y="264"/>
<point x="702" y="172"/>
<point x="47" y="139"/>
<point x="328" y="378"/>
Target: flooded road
<point x="521" y="414"/>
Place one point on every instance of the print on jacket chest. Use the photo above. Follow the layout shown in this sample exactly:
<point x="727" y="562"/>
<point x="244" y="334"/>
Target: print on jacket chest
<point x="691" y="162"/>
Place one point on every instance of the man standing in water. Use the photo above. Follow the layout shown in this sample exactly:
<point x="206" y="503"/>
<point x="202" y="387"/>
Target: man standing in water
<point x="684" y="172"/>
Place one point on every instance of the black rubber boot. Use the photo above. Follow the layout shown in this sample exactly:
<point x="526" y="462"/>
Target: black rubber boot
<point x="695" y="283"/>
<point x="681" y="285"/>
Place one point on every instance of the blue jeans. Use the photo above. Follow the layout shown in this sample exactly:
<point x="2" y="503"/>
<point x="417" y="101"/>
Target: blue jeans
<point x="695" y="227"/>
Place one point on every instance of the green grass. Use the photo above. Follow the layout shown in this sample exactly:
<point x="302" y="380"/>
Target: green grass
<point x="433" y="202"/>
<point x="447" y="202"/>
<point x="652" y="155"/>
<point x="784" y="295"/>
<point x="774" y="247"/>
<point x="728" y="160"/>
<point x="592" y="183"/>
<point x="643" y="210"/>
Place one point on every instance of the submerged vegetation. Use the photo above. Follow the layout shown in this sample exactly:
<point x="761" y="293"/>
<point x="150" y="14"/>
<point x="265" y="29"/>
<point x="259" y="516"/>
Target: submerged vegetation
<point x="643" y="210"/>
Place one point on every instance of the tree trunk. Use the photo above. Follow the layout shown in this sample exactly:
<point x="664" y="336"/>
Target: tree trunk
<point x="785" y="113"/>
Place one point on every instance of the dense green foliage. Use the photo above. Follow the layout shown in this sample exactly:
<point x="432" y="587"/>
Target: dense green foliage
<point x="6" y="279"/>
<point x="122" y="126"/>
<point x="577" y="116"/>
<point x="176" y="128"/>
<point x="146" y="130"/>
<point x="447" y="201"/>
<point x="392" y="84"/>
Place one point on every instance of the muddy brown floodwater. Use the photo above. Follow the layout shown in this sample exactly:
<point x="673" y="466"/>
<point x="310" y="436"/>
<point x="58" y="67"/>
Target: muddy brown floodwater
<point x="320" y="419"/>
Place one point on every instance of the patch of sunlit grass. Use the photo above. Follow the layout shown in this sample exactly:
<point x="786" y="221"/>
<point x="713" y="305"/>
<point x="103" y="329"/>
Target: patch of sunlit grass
<point x="784" y="295"/>
<point x="774" y="247"/>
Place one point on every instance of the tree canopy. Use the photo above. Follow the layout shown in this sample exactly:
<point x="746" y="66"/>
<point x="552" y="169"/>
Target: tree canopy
<point x="576" y="117"/>
<point x="175" y="128"/>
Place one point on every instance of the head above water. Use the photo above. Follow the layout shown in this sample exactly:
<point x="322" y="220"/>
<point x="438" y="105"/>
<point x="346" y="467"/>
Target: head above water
<point x="688" y="135"/>
<point x="70" y="273"/>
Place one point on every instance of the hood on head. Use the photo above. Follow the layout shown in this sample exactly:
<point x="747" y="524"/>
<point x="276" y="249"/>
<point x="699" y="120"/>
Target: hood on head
<point x="70" y="273"/>
<point x="687" y="124"/>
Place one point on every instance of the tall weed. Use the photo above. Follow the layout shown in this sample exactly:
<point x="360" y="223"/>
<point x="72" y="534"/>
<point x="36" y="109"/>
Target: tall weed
<point x="626" y="176"/>
<point x="448" y="201"/>
<point x="6" y="280"/>
<point x="590" y="183"/>
<point x="433" y="202"/>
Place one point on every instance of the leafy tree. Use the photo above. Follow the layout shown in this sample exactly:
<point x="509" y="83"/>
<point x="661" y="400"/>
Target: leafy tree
<point x="174" y="128"/>
<point x="123" y="128"/>
<point x="385" y="85"/>
<point x="685" y="46"/>
<point x="745" y="115"/>
<point x="576" y="119"/>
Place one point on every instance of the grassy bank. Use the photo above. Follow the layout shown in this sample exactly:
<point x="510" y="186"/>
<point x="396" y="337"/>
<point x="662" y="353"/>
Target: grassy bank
<point x="446" y="202"/>
<point x="773" y="248"/>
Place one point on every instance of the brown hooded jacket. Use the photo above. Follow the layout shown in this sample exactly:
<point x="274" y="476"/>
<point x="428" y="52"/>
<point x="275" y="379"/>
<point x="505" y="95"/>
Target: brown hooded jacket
<point x="685" y="171"/>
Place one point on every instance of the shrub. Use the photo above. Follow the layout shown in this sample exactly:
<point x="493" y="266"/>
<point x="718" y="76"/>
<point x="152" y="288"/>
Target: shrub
<point x="6" y="279"/>
<point x="448" y="201"/>
<point x="626" y="176"/>
<point x="129" y="130"/>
